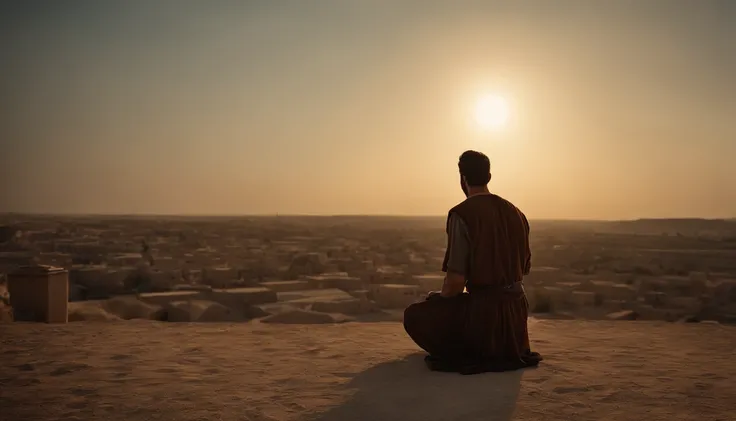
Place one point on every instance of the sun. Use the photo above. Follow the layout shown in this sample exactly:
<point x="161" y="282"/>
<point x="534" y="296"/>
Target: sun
<point x="491" y="112"/>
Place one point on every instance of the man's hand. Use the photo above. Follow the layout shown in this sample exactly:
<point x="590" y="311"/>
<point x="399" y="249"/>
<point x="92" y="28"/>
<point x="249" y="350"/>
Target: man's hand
<point x="454" y="285"/>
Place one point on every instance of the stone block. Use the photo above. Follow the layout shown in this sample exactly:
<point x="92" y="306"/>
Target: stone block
<point x="90" y="275"/>
<point x="352" y="306"/>
<point x="624" y="315"/>
<point x="126" y="259"/>
<point x="117" y="276"/>
<point x="687" y="304"/>
<point x="389" y="275"/>
<point x="723" y="292"/>
<point x="613" y="290"/>
<point x="394" y="295"/>
<point x="429" y="282"/>
<point x="326" y="301"/>
<point x="238" y="296"/>
<point x="100" y="283"/>
<point x="205" y="289"/>
<point x="201" y="311"/>
<point x="568" y="285"/>
<point x="544" y="275"/>
<point x="276" y="308"/>
<point x="655" y="298"/>
<point x="363" y="294"/>
<point x="650" y="284"/>
<point x="313" y="295"/>
<point x="192" y="275"/>
<point x="164" y="298"/>
<point x="337" y="281"/>
<point x="90" y="311"/>
<point x="558" y="298"/>
<point x="286" y="286"/>
<point x="540" y="299"/>
<point x="129" y="307"/>
<point x="685" y="285"/>
<point x="164" y="279"/>
<point x="307" y="264"/>
<point x="168" y="263"/>
<point x="220" y="275"/>
<point x="614" y="305"/>
<point x="39" y="293"/>
<point x="583" y="298"/>
<point x="698" y="277"/>
<point x="647" y="312"/>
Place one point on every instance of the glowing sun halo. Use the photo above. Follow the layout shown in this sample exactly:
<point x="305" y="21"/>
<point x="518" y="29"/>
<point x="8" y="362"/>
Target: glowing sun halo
<point x="491" y="112"/>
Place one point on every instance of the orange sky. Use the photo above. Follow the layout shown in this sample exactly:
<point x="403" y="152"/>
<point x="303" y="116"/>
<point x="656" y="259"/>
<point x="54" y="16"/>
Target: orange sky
<point x="618" y="109"/>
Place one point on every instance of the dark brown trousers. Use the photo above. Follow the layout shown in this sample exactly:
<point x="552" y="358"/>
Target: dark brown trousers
<point x="480" y="324"/>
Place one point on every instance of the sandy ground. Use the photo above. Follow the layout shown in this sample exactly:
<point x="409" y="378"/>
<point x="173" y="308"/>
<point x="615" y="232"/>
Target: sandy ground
<point x="358" y="371"/>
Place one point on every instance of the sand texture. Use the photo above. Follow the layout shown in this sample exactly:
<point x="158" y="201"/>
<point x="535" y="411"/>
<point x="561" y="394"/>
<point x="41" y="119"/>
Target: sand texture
<point x="142" y="370"/>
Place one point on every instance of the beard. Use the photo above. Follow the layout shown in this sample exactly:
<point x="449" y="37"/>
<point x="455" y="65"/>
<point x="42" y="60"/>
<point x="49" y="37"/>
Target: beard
<point x="463" y="186"/>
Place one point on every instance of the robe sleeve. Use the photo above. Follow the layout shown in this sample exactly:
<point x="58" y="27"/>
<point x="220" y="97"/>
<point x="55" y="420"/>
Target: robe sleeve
<point x="458" y="246"/>
<point x="528" y="262"/>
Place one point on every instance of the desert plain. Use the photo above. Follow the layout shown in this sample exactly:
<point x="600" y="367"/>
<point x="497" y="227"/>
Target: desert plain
<point x="298" y="318"/>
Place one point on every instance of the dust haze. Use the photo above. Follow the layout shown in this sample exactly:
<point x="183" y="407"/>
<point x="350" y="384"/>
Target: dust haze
<point x="139" y="140"/>
<point x="291" y="318"/>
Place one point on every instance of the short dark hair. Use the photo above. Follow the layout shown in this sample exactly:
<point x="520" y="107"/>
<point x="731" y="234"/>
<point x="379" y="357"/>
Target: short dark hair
<point x="475" y="167"/>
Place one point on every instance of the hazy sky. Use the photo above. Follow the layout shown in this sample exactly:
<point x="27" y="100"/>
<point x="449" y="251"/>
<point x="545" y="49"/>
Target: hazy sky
<point x="619" y="109"/>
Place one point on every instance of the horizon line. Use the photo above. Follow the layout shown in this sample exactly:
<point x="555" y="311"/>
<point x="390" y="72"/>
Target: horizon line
<point x="346" y="215"/>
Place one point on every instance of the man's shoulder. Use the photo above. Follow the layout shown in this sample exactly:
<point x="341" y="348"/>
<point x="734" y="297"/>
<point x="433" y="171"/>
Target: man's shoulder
<point x="484" y="201"/>
<point x="502" y="201"/>
<point x="457" y="206"/>
<point x="508" y="204"/>
<point x="483" y="204"/>
<point x="512" y="206"/>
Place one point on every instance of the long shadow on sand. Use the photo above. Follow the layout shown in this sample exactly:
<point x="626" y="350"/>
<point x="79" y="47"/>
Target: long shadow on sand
<point x="406" y="390"/>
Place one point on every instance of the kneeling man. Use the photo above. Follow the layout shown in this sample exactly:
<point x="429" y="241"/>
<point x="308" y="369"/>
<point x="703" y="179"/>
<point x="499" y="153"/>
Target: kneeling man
<point x="488" y="254"/>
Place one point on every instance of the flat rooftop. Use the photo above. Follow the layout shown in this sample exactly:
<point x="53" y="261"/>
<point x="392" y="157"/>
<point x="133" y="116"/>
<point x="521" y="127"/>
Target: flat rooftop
<point x="142" y="371"/>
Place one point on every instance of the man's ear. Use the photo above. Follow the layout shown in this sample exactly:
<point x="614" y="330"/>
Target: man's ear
<point x="490" y="176"/>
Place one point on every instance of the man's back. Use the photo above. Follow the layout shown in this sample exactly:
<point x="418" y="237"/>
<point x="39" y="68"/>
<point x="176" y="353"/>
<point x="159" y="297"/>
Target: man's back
<point x="499" y="240"/>
<point x="483" y="329"/>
